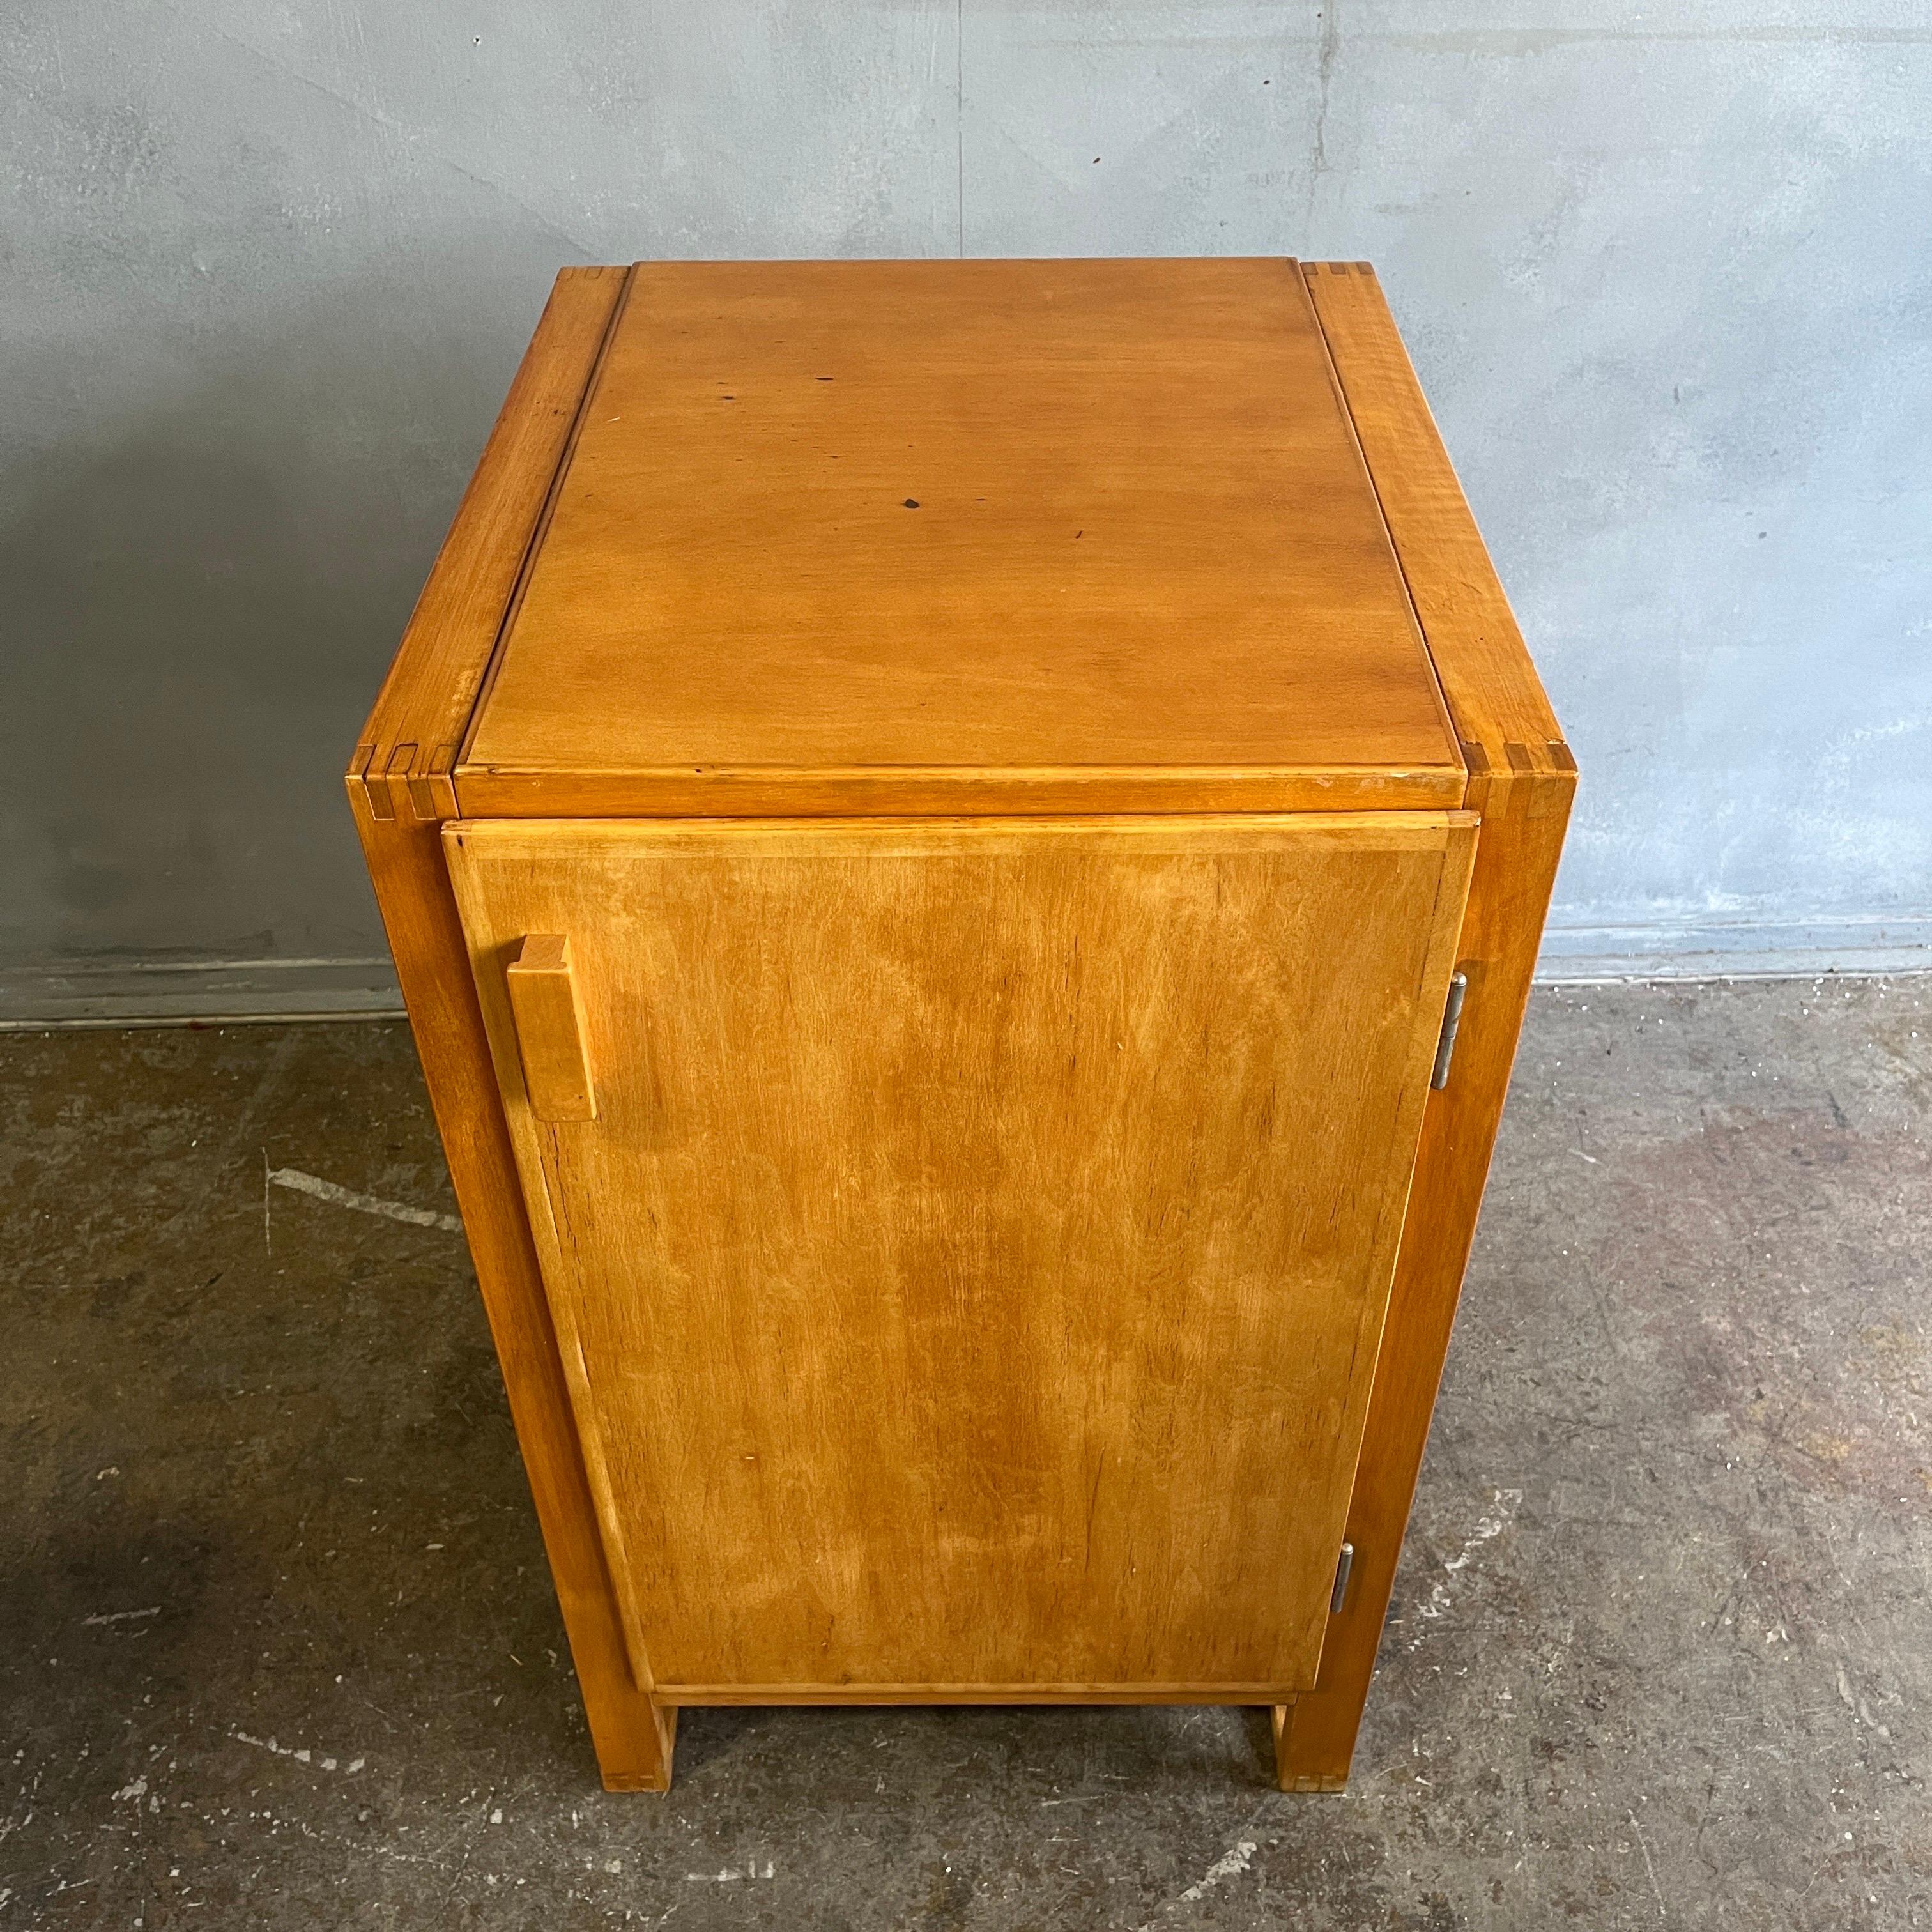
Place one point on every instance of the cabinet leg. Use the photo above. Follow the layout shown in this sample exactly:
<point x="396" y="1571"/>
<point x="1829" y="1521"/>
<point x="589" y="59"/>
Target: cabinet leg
<point x="634" y="1742"/>
<point x="1314" y="1756"/>
<point x="1290" y="1774"/>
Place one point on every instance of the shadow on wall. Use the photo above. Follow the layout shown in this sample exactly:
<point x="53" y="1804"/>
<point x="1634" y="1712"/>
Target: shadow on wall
<point x="201" y="604"/>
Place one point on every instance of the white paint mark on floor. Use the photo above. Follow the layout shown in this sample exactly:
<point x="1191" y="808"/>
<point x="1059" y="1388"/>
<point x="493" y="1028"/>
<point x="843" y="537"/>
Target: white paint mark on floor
<point x="754" y="1870"/>
<point x="1229" y="1865"/>
<point x="121" y="1616"/>
<point x="1489" y="1525"/>
<point x="1858" y="1707"/>
<point x="1493" y="1525"/>
<point x="133" y="1792"/>
<point x="363" y="1203"/>
<point x="302" y="1754"/>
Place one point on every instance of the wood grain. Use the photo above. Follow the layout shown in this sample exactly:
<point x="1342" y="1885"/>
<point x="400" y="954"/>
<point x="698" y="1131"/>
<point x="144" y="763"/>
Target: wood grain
<point x="549" y="1015"/>
<point x="975" y="1271"/>
<point x="1011" y="522"/>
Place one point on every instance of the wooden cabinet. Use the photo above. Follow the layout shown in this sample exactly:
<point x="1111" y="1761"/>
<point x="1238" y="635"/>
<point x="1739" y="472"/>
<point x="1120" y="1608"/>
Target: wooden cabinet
<point x="926" y="816"/>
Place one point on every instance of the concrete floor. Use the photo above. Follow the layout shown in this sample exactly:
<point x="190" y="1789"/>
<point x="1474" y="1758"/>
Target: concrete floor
<point x="278" y="1647"/>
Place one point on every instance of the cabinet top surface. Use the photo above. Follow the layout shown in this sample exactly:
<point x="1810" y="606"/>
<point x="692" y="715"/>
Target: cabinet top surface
<point x="1010" y="516"/>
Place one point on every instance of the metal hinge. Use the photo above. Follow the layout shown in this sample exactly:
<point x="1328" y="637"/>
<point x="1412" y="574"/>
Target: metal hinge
<point x="1452" y="1018"/>
<point x="1344" y="1564"/>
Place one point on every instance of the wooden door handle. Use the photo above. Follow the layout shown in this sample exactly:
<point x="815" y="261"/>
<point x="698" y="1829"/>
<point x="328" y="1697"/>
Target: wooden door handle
<point x="549" y="1014"/>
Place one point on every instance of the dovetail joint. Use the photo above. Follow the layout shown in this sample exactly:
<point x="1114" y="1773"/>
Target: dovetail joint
<point x="428" y="784"/>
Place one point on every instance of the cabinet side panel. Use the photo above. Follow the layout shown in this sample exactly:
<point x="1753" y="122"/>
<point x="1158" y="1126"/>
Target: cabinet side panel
<point x="1517" y="851"/>
<point x="408" y="747"/>
<point x="1495" y="695"/>
<point x="406" y="864"/>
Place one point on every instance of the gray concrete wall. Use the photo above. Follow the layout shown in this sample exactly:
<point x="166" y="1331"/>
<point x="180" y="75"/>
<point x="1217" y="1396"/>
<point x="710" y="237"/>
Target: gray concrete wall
<point x="1667" y="275"/>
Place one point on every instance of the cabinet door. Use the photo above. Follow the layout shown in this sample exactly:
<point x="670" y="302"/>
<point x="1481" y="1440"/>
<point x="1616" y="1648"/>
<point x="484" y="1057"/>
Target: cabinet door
<point x="969" y="1248"/>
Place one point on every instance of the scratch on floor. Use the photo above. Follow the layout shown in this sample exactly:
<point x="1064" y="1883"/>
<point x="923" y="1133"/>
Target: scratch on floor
<point x="363" y="1203"/>
<point x="1643" y="1846"/>
<point x="121" y="1616"/>
<point x="727" y="1876"/>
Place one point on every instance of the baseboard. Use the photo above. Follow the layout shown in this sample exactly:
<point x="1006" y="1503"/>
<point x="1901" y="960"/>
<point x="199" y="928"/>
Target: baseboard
<point x="1847" y="948"/>
<point x="237" y="992"/>
<point x="205" y="992"/>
